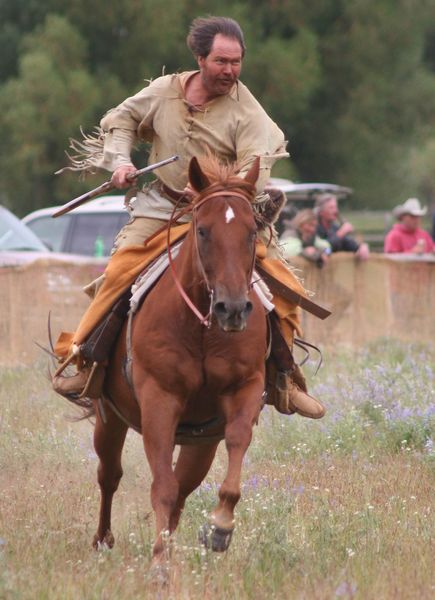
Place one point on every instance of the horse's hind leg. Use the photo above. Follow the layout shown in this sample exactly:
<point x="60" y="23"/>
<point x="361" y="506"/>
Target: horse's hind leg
<point x="192" y="466"/>
<point x="109" y="440"/>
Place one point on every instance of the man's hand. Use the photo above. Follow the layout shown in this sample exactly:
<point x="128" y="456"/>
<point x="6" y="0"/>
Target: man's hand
<point x="419" y="247"/>
<point x="189" y="192"/>
<point x="363" y="251"/>
<point x="344" y="229"/>
<point x="119" y="176"/>
<point x="310" y="250"/>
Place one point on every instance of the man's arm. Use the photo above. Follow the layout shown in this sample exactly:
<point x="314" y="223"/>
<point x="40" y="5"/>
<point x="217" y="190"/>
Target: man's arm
<point x="122" y="126"/>
<point x="392" y="243"/>
<point x="257" y="135"/>
<point x="349" y="244"/>
<point x="118" y="144"/>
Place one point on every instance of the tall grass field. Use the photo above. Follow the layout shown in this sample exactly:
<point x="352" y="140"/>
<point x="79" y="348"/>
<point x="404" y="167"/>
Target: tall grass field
<point x="338" y="508"/>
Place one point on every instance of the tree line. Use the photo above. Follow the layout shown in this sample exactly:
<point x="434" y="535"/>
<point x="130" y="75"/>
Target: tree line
<point x="351" y="83"/>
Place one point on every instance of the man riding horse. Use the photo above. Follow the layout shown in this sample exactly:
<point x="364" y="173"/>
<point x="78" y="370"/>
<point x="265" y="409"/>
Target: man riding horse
<point x="184" y="114"/>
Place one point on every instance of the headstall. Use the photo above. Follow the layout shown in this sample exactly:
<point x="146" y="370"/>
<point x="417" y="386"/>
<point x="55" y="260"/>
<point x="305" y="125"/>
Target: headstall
<point x="204" y="319"/>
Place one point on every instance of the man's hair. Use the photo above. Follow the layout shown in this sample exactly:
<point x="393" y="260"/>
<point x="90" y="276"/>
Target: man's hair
<point x="303" y="216"/>
<point x="321" y="200"/>
<point x="204" y="29"/>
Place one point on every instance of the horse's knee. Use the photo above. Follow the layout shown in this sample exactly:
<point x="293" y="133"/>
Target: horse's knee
<point x="238" y="433"/>
<point x="164" y="492"/>
<point x="109" y="478"/>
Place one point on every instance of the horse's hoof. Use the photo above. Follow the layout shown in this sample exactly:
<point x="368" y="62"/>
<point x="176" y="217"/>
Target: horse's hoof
<point x="106" y="543"/>
<point x="159" y="575"/>
<point x="215" y="538"/>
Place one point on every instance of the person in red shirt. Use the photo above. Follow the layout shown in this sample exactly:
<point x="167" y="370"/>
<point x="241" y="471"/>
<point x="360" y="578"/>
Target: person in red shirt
<point x="407" y="236"/>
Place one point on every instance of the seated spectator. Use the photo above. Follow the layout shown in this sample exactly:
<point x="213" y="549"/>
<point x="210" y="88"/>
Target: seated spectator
<point x="406" y="236"/>
<point x="329" y="227"/>
<point x="301" y="240"/>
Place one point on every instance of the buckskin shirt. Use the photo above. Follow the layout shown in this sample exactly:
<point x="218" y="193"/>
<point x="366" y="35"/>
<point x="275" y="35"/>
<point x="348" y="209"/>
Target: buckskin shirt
<point x="234" y="126"/>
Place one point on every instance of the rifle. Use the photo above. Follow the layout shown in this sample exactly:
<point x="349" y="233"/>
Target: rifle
<point x="107" y="186"/>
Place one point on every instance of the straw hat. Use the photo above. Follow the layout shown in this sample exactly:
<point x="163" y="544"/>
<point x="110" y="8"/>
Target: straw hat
<point x="410" y="207"/>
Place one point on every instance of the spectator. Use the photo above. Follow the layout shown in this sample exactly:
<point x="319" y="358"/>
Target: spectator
<point x="407" y="236"/>
<point x="329" y="227"/>
<point x="303" y="241"/>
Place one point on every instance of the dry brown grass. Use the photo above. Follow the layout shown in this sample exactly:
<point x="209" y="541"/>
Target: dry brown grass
<point x="312" y="523"/>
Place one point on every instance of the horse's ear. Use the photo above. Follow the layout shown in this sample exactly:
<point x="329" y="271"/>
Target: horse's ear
<point x="198" y="180"/>
<point x="252" y="175"/>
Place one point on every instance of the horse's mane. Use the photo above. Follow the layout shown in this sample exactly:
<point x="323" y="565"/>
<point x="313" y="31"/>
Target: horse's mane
<point x="224" y="175"/>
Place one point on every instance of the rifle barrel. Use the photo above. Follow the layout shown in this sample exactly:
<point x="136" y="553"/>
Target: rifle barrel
<point x="107" y="186"/>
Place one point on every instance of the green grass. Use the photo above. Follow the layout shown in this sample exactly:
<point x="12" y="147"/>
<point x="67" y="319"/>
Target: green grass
<point x="337" y="508"/>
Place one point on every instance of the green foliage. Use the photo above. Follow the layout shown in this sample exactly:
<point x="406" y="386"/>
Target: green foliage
<point x="55" y="94"/>
<point x="350" y="83"/>
<point x="282" y="65"/>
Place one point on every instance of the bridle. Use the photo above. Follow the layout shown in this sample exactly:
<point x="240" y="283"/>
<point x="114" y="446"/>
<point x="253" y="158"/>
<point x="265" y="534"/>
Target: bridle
<point x="204" y="319"/>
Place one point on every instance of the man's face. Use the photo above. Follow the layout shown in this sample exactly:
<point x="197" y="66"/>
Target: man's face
<point x="410" y="222"/>
<point x="221" y="68"/>
<point x="329" y="210"/>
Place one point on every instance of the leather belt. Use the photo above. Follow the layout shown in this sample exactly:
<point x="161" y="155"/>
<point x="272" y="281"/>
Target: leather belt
<point x="170" y="193"/>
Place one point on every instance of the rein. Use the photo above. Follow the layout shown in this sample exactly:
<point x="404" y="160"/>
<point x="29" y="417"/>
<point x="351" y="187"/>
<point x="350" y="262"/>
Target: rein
<point x="204" y="319"/>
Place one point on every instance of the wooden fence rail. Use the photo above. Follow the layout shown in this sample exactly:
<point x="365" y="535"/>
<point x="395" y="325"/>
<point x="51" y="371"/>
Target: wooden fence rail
<point x="384" y="296"/>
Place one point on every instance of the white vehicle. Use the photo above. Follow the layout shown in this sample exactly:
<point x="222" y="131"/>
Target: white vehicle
<point x="20" y="246"/>
<point x="89" y="229"/>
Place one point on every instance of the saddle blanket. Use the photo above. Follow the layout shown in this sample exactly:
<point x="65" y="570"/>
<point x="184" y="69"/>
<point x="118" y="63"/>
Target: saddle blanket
<point x="129" y="262"/>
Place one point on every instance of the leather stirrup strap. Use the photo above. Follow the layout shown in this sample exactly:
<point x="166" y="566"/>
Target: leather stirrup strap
<point x="280" y="353"/>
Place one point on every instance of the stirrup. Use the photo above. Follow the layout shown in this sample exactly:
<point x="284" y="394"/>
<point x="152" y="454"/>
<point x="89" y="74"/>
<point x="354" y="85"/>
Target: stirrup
<point x="71" y="386"/>
<point x="94" y="384"/>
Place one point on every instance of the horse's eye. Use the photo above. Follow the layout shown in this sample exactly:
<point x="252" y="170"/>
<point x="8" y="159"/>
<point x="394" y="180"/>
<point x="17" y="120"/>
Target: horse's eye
<point x="201" y="232"/>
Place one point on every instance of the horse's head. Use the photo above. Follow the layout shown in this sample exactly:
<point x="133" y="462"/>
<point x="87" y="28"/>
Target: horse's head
<point x="225" y="234"/>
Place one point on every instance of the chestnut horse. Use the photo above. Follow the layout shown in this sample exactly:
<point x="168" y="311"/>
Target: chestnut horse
<point x="188" y="369"/>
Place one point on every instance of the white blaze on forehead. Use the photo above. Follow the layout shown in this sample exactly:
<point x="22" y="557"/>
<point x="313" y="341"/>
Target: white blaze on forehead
<point x="229" y="215"/>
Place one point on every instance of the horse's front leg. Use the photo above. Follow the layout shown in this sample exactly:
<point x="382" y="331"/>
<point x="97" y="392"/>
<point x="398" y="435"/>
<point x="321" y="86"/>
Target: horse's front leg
<point x="241" y="412"/>
<point x="160" y="414"/>
<point x="192" y="466"/>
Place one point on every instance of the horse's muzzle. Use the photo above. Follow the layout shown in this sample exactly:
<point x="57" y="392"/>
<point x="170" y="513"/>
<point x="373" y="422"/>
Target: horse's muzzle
<point x="232" y="315"/>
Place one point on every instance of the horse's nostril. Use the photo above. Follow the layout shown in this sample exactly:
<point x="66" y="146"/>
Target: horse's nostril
<point x="220" y="308"/>
<point x="230" y="309"/>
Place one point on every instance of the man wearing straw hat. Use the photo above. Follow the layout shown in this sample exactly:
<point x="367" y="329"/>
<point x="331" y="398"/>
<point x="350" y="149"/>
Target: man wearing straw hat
<point x="407" y="236"/>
